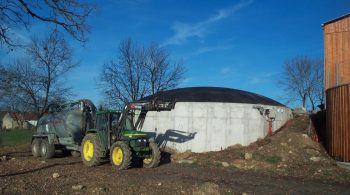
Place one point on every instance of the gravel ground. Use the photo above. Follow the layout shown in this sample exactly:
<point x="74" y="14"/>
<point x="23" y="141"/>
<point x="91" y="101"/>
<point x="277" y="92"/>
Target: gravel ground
<point x="269" y="168"/>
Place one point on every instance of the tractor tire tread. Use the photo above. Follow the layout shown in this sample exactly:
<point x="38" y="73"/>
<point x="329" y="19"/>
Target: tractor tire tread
<point x="127" y="156"/>
<point x="50" y="149"/>
<point x="98" y="150"/>
<point x="36" y="143"/>
<point x="156" y="155"/>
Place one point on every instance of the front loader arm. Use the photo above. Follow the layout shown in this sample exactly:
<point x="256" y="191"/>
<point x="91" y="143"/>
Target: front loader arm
<point x="144" y="107"/>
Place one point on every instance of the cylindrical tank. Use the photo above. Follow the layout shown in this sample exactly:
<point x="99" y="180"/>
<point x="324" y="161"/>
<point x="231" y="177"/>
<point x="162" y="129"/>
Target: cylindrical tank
<point x="71" y="120"/>
<point x="63" y="124"/>
<point x="338" y="124"/>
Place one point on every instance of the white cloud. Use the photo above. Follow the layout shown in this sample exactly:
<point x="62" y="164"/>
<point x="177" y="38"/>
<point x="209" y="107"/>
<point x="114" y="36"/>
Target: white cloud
<point x="262" y="78"/>
<point x="187" y="80"/>
<point x="202" y="50"/>
<point x="183" y="31"/>
<point x="226" y="70"/>
<point x="255" y="80"/>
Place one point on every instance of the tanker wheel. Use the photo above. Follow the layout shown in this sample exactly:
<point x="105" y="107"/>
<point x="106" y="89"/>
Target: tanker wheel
<point x="154" y="159"/>
<point x="120" y="155"/>
<point x="36" y="147"/>
<point x="91" y="150"/>
<point x="47" y="150"/>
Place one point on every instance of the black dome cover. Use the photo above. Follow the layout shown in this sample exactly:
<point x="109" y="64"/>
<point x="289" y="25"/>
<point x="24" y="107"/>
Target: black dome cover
<point x="213" y="94"/>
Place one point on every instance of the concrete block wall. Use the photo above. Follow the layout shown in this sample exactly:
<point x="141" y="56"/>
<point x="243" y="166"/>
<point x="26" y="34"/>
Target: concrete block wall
<point x="208" y="126"/>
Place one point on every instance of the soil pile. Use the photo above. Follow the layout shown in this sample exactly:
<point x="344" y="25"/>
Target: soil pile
<point x="290" y="152"/>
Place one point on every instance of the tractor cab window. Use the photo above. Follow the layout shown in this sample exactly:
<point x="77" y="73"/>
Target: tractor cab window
<point x="115" y="119"/>
<point x="129" y="124"/>
<point x="101" y="122"/>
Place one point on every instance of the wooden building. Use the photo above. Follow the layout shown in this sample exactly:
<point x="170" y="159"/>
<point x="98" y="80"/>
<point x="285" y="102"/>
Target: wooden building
<point x="337" y="85"/>
<point x="337" y="51"/>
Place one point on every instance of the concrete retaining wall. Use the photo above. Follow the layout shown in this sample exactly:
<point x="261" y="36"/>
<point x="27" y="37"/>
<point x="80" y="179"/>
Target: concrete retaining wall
<point x="202" y="127"/>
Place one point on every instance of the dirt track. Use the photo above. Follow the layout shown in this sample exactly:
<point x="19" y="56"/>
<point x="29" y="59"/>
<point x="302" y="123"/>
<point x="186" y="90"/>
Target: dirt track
<point x="27" y="175"/>
<point x="286" y="163"/>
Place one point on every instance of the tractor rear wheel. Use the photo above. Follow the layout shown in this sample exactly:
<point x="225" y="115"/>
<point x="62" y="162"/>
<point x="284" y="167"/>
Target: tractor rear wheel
<point x="36" y="147"/>
<point x="120" y="155"/>
<point x="153" y="160"/>
<point x="47" y="149"/>
<point x="91" y="150"/>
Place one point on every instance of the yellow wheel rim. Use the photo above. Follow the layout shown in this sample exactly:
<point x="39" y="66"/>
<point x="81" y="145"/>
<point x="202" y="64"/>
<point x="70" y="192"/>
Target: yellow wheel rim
<point x="147" y="160"/>
<point x="88" y="150"/>
<point x="117" y="156"/>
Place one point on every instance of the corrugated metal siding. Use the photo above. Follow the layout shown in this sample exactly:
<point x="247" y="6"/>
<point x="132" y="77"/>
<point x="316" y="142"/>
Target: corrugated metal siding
<point x="338" y="122"/>
<point x="337" y="49"/>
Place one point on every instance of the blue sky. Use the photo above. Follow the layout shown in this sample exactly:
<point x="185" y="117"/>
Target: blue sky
<point x="235" y="44"/>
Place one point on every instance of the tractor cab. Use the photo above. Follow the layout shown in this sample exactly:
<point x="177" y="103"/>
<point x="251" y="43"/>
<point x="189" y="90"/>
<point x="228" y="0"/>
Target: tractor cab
<point x="116" y="133"/>
<point x="111" y="128"/>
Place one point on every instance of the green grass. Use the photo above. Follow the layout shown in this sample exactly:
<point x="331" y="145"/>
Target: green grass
<point x="15" y="137"/>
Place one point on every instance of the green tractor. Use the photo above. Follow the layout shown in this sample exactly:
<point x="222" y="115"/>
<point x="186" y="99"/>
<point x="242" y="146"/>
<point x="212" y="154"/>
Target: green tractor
<point x="116" y="135"/>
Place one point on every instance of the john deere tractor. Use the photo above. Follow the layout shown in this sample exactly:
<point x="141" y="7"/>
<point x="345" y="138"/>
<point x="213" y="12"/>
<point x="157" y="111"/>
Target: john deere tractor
<point x="116" y="136"/>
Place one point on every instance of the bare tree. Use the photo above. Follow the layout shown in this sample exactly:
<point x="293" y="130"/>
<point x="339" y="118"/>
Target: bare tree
<point x="160" y="73"/>
<point x="70" y="15"/>
<point x="317" y="94"/>
<point x="139" y="71"/>
<point x="37" y="81"/>
<point x="303" y="80"/>
<point x="123" y="80"/>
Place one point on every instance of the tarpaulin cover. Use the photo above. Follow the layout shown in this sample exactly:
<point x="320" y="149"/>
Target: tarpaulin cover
<point x="213" y="94"/>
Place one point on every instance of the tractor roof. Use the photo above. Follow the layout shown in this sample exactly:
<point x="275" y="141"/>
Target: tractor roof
<point x="108" y="111"/>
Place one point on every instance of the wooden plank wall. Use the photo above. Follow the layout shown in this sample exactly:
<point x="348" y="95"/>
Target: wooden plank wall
<point x="337" y="51"/>
<point x="338" y="122"/>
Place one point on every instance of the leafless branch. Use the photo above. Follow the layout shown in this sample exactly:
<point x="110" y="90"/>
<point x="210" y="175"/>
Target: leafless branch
<point x="303" y="80"/>
<point x="35" y="82"/>
<point x="70" y="15"/>
<point x="138" y="72"/>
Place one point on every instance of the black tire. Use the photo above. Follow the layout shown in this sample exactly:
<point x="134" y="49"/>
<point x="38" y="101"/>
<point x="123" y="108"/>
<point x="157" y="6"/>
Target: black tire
<point x="75" y="153"/>
<point x="120" y="156"/>
<point x="154" y="159"/>
<point x="91" y="150"/>
<point x="47" y="150"/>
<point x="36" y="147"/>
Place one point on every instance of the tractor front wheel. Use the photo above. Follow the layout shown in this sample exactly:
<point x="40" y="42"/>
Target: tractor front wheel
<point x="120" y="155"/>
<point x="36" y="147"/>
<point x="154" y="159"/>
<point x="91" y="150"/>
<point x="47" y="149"/>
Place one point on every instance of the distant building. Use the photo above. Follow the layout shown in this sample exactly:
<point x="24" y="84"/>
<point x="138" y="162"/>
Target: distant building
<point x="13" y="120"/>
<point x="2" y="114"/>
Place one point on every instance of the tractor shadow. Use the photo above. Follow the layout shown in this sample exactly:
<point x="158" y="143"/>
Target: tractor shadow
<point x="38" y="169"/>
<point x="18" y="154"/>
<point x="28" y="153"/>
<point x="170" y="135"/>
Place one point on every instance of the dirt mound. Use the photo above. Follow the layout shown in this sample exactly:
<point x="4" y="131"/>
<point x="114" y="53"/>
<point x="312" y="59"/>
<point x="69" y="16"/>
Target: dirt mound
<point x="289" y="152"/>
